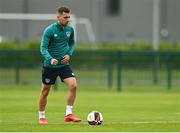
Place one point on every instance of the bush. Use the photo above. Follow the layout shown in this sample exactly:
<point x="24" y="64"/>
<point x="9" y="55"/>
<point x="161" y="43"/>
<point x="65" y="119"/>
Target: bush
<point x="137" y="45"/>
<point x="32" y="44"/>
<point x="7" y="45"/>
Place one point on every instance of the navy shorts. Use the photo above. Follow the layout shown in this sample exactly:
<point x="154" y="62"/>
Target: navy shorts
<point x="49" y="75"/>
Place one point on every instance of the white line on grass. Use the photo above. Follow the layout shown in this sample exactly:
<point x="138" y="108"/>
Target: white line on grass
<point x="146" y="122"/>
<point x="105" y="123"/>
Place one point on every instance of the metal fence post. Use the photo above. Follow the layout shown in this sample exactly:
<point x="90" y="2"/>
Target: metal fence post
<point x="155" y="67"/>
<point x="119" y="72"/>
<point x="169" y="73"/>
<point x="110" y="73"/>
<point x="17" y="67"/>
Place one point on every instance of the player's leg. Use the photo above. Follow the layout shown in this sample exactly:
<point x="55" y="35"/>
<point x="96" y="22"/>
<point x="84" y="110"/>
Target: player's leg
<point x="43" y="96"/>
<point x="48" y="78"/>
<point x="72" y="86"/>
<point x="67" y="76"/>
<point x="42" y="103"/>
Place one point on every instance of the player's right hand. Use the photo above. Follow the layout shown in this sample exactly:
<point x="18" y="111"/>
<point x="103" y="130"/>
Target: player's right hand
<point x="54" y="61"/>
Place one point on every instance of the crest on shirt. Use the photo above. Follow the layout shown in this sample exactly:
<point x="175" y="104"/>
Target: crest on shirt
<point x="68" y="34"/>
<point x="47" y="80"/>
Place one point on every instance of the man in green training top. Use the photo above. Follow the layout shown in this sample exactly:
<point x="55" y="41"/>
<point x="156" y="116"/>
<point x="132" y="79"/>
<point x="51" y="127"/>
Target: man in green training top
<point x="57" y="46"/>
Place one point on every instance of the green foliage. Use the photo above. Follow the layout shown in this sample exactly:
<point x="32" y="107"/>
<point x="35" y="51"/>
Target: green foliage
<point x="7" y="45"/>
<point x="31" y="44"/>
<point x="136" y="45"/>
<point x="116" y="46"/>
<point x="164" y="45"/>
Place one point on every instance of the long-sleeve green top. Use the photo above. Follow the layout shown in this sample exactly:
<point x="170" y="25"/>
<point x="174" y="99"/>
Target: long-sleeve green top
<point x="56" y="42"/>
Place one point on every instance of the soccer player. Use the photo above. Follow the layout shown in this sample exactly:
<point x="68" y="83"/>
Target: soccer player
<point x="57" y="46"/>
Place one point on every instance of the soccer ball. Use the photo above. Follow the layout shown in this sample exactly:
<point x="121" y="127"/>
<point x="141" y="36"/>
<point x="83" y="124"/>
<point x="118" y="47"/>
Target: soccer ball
<point x="95" y="118"/>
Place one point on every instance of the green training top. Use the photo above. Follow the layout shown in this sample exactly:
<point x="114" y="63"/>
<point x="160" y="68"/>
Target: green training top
<point x="56" y="42"/>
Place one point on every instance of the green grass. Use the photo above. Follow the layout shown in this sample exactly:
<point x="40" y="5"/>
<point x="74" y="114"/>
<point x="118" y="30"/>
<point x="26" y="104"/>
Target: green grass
<point x="126" y="111"/>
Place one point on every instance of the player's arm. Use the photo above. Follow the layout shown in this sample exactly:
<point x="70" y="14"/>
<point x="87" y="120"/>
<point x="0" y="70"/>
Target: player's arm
<point x="71" y="44"/>
<point x="67" y="57"/>
<point x="44" y="46"/>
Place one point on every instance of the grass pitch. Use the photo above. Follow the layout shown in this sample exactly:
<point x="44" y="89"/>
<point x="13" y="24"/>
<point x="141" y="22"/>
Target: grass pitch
<point x="126" y="111"/>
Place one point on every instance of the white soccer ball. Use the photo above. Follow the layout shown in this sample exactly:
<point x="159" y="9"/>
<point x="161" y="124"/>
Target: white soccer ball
<point x="95" y="118"/>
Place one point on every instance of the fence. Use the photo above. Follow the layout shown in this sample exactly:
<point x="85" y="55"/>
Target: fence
<point x="103" y="68"/>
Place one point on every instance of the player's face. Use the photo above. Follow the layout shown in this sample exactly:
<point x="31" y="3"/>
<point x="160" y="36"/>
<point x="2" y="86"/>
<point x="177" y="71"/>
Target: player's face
<point x="64" y="18"/>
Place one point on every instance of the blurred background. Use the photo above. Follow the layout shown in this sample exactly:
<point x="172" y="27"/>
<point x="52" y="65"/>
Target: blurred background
<point x="121" y="45"/>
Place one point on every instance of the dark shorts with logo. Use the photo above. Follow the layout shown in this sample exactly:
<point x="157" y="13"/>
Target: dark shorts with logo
<point x="49" y="75"/>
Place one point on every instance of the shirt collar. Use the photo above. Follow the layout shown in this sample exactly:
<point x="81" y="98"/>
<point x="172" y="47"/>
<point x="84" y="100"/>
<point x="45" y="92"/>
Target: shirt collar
<point x="59" y="26"/>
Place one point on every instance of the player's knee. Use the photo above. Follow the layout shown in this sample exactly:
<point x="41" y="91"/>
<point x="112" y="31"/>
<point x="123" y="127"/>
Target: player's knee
<point x="73" y="86"/>
<point x="45" y="91"/>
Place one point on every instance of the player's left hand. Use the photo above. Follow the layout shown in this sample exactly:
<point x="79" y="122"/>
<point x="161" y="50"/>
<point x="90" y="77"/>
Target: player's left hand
<point x="65" y="59"/>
